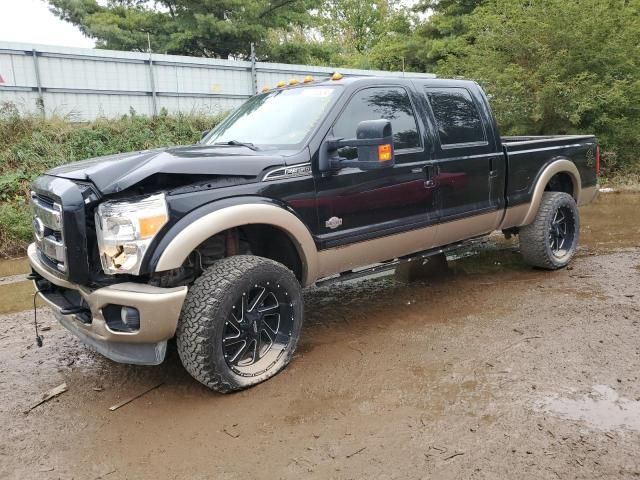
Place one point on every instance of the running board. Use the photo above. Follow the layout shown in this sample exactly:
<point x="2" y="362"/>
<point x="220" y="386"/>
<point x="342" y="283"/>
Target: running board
<point x="391" y="264"/>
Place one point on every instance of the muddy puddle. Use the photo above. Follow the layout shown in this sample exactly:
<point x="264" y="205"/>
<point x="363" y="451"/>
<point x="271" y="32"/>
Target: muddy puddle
<point x="610" y="223"/>
<point x="603" y="408"/>
<point x="13" y="267"/>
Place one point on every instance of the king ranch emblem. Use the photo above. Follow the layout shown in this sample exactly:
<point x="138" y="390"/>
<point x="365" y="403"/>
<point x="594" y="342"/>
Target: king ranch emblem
<point x="333" y="223"/>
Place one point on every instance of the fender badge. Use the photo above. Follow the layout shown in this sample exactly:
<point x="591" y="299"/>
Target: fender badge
<point x="333" y="223"/>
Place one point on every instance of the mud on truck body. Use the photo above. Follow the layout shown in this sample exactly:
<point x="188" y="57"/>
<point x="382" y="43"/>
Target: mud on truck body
<point x="213" y="243"/>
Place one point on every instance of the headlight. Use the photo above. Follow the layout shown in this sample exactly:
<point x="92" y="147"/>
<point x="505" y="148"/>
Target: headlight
<point x="125" y="230"/>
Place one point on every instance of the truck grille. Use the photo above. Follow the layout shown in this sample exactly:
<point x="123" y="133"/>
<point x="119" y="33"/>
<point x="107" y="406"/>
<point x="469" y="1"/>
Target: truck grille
<point x="48" y="230"/>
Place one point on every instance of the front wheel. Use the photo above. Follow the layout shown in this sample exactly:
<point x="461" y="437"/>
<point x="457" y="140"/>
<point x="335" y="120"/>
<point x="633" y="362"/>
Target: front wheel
<point x="551" y="240"/>
<point x="240" y="322"/>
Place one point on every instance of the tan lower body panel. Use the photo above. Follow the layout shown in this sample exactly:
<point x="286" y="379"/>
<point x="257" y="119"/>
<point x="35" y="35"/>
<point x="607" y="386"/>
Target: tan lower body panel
<point x="159" y="308"/>
<point x="514" y="216"/>
<point x="341" y="259"/>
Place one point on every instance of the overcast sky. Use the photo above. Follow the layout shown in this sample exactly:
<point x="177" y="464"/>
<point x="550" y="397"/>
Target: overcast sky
<point x="31" y="21"/>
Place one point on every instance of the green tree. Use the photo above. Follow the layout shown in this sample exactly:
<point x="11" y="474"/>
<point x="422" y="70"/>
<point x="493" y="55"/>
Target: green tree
<point x="443" y="32"/>
<point x="209" y="28"/>
<point x="376" y="34"/>
<point x="297" y="46"/>
<point x="558" y="66"/>
<point x="353" y="24"/>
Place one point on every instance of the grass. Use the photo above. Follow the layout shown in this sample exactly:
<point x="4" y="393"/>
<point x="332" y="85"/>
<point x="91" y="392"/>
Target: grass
<point x="622" y="182"/>
<point x="30" y="145"/>
<point x="15" y="228"/>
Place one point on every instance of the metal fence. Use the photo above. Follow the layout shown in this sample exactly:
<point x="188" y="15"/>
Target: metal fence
<point x="86" y="83"/>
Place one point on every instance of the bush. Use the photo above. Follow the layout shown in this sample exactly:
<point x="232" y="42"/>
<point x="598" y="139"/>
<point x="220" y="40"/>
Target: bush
<point x="30" y="145"/>
<point x="15" y="228"/>
<point x="554" y="67"/>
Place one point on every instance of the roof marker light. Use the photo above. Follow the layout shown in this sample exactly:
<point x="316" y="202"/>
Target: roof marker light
<point x="265" y="89"/>
<point x="308" y="79"/>
<point x="281" y="84"/>
<point x="293" y="81"/>
<point x="336" y="76"/>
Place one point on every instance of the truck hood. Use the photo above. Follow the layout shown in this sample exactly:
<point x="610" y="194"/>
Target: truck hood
<point x="114" y="173"/>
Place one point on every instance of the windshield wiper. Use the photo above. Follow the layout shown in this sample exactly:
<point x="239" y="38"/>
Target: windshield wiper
<point x="240" y="144"/>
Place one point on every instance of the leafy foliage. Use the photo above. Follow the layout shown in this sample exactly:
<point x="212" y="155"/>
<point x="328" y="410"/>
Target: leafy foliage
<point x="15" y="228"/>
<point x="444" y="34"/>
<point x="553" y="67"/>
<point x="209" y="28"/>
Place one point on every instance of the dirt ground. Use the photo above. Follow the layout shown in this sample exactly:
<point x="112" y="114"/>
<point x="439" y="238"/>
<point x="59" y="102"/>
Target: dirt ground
<point x="494" y="371"/>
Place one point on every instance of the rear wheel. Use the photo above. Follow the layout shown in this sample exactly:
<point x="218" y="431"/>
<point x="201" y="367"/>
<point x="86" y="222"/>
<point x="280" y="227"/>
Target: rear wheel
<point x="550" y="241"/>
<point x="240" y="323"/>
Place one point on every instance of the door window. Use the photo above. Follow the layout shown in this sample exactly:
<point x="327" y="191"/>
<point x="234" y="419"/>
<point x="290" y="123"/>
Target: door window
<point x="457" y="117"/>
<point x="390" y="103"/>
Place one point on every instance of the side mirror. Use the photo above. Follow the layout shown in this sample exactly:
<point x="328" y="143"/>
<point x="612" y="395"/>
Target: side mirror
<point x="374" y="141"/>
<point x="204" y="134"/>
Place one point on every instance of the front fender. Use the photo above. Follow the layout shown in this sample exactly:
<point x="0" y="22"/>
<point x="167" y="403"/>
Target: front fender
<point x="208" y="220"/>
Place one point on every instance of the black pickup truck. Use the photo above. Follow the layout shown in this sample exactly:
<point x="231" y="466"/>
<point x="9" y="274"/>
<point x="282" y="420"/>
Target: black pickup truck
<point x="314" y="181"/>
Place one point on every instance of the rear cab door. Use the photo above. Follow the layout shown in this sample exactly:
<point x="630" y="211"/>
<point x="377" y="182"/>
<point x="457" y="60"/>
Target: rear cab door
<point x="469" y="166"/>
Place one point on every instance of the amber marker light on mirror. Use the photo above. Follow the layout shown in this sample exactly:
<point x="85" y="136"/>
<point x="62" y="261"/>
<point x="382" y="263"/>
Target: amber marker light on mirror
<point x="384" y="152"/>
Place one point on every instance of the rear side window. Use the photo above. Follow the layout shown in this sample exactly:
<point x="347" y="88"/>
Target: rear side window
<point x="457" y="117"/>
<point x="390" y="103"/>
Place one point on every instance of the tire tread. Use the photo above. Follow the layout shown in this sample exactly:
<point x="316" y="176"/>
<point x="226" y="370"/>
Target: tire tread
<point x="195" y="337"/>
<point x="533" y="237"/>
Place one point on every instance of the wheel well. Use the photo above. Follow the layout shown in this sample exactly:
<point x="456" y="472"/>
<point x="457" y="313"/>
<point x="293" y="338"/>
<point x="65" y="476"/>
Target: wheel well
<point x="262" y="240"/>
<point x="273" y="243"/>
<point x="561" y="182"/>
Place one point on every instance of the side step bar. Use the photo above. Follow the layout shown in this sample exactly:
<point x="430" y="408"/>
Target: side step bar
<point x="392" y="264"/>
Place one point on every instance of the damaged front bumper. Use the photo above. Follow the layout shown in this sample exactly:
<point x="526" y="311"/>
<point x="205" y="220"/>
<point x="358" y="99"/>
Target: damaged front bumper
<point x="92" y="314"/>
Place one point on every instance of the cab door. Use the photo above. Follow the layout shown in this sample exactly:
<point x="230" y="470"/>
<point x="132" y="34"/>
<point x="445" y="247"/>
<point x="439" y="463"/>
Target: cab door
<point x="469" y="163"/>
<point x="355" y="205"/>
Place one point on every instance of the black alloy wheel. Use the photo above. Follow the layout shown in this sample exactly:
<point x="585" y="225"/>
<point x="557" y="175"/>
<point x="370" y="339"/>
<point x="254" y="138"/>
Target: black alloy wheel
<point x="258" y="329"/>
<point x="240" y="322"/>
<point x="551" y="240"/>
<point x="561" y="231"/>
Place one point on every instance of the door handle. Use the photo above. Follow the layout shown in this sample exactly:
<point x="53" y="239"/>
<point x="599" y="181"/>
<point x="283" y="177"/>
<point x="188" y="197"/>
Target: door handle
<point x="430" y="172"/>
<point x="492" y="171"/>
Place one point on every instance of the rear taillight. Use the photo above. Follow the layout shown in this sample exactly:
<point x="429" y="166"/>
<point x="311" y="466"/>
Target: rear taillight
<point x="598" y="160"/>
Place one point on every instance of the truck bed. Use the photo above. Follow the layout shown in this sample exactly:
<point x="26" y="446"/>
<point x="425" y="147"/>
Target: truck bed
<point x="529" y="139"/>
<point x="527" y="156"/>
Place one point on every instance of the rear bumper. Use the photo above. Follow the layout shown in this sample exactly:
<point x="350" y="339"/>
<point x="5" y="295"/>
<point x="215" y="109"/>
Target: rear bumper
<point x="159" y="310"/>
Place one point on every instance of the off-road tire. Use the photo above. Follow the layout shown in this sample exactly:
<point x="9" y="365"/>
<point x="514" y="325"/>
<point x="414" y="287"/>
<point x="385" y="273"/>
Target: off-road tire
<point x="208" y="306"/>
<point x="536" y="245"/>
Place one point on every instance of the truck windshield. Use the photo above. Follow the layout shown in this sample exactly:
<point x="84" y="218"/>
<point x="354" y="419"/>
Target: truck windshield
<point x="281" y="118"/>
